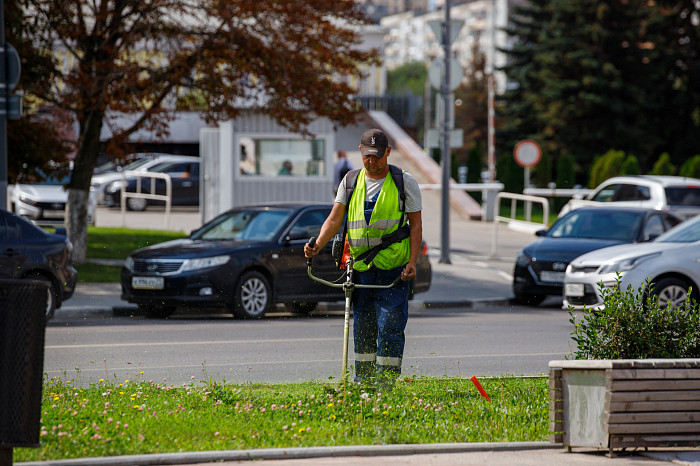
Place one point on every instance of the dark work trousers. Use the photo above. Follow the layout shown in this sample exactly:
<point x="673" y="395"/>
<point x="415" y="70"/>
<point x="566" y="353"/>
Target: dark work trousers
<point x="379" y="321"/>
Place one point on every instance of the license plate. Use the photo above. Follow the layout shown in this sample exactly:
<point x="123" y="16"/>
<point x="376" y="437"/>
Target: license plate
<point x="147" y="283"/>
<point x="54" y="213"/>
<point x="573" y="289"/>
<point x="552" y="276"/>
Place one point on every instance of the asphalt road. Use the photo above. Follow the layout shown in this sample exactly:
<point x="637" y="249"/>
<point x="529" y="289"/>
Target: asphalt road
<point x="463" y="342"/>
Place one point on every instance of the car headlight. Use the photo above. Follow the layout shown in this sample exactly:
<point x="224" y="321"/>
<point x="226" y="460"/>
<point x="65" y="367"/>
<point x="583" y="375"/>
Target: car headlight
<point x="204" y="263"/>
<point x="523" y="258"/>
<point x="129" y="263"/>
<point x="113" y="186"/>
<point x="627" y="264"/>
<point x="26" y="200"/>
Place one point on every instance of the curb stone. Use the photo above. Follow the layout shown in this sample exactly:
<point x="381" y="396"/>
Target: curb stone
<point x="293" y="453"/>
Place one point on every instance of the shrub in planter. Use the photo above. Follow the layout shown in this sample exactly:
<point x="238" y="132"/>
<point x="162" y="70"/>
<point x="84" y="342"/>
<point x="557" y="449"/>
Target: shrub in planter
<point x="633" y="326"/>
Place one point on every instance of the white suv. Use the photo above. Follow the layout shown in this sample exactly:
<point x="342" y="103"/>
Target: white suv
<point x="676" y="194"/>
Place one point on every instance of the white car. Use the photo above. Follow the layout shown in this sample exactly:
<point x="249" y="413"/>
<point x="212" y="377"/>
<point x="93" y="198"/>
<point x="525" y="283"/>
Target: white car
<point x="143" y="163"/>
<point x="679" y="195"/>
<point x="671" y="262"/>
<point x="44" y="201"/>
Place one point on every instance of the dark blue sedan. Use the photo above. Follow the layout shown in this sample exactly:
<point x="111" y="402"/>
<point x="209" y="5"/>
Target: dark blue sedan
<point x="245" y="260"/>
<point x="540" y="266"/>
<point x="29" y="252"/>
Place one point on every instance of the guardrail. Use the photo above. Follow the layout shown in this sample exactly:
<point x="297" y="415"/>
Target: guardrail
<point x="522" y="225"/>
<point x="167" y="197"/>
<point x="490" y="191"/>
<point x="557" y="192"/>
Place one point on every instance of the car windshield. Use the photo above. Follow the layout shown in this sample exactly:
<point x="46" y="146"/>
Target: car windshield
<point x="686" y="232"/>
<point x="137" y="163"/>
<point x="683" y="196"/>
<point x="613" y="225"/>
<point x="251" y="225"/>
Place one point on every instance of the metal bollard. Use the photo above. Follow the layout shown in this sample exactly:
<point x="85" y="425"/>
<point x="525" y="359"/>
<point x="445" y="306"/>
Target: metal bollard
<point x="22" y="332"/>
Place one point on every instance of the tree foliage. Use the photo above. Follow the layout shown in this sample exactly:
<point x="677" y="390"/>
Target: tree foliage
<point x="594" y="75"/>
<point x="663" y="166"/>
<point x="407" y="77"/>
<point x="691" y="167"/>
<point x="99" y="59"/>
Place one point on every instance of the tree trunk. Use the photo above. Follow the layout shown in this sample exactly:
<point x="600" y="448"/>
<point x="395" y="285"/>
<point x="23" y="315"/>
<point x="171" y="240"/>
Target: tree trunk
<point x="77" y="222"/>
<point x="79" y="185"/>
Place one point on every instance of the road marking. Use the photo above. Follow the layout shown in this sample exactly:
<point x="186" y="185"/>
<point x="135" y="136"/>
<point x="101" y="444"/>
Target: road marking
<point x="223" y="342"/>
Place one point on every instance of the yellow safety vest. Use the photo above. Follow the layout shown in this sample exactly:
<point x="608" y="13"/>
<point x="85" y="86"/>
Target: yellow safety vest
<point x="386" y="218"/>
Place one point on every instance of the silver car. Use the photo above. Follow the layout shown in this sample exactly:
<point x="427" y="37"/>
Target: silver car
<point x="671" y="262"/>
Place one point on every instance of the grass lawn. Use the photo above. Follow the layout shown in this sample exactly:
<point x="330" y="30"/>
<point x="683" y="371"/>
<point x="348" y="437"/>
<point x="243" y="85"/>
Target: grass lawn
<point x="116" y="243"/>
<point x="136" y="417"/>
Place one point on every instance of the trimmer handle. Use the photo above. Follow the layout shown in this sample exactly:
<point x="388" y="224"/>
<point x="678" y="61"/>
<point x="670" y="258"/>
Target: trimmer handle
<point x="312" y="243"/>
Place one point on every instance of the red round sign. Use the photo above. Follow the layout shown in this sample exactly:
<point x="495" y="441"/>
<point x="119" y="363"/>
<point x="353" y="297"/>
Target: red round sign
<point x="527" y="153"/>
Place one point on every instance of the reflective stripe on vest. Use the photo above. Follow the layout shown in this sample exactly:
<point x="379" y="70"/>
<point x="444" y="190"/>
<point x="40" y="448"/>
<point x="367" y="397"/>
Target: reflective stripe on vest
<point x="386" y="217"/>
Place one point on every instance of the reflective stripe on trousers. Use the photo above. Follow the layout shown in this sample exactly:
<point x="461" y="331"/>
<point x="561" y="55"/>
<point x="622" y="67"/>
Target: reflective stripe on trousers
<point x="379" y="321"/>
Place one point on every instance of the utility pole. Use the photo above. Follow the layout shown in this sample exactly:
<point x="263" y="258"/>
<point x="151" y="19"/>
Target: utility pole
<point x="445" y="141"/>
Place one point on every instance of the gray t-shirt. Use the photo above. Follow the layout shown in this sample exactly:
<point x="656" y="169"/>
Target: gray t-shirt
<point x="414" y="201"/>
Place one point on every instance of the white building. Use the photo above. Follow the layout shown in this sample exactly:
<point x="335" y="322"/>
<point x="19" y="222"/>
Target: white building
<point x="410" y="38"/>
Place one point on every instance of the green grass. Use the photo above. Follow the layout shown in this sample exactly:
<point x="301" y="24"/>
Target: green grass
<point x="116" y="243"/>
<point x="137" y="417"/>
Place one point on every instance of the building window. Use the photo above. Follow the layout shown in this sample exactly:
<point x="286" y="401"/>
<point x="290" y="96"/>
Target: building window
<point x="283" y="157"/>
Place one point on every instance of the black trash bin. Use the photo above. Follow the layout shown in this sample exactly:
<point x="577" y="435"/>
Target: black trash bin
<point x="22" y="332"/>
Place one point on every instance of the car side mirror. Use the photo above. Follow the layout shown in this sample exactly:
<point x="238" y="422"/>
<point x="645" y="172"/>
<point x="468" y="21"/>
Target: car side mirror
<point x="296" y="235"/>
<point x="651" y="237"/>
<point x="541" y="232"/>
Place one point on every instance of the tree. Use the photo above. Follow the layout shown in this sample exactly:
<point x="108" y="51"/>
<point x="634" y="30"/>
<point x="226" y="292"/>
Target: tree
<point x="407" y="77"/>
<point x="286" y="59"/>
<point x="593" y="75"/>
<point x="471" y="115"/>
<point x="35" y="145"/>
<point x="691" y="167"/>
<point x="630" y="166"/>
<point x="663" y="166"/>
<point x="606" y="166"/>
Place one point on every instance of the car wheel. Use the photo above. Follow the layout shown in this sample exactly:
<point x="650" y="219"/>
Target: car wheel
<point x="108" y="201"/>
<point x="253" y="296"/>
<point x="303" y="309"/>
<point x="52" y="295"/>
<point x="157" y="312"/>
<point x="136" y="203"/>
<point x="530" y="299"/>
<point x="671" y="291"/>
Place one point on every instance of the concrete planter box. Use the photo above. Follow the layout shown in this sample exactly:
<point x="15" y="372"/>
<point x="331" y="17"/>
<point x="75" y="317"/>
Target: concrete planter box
<point x="625" y="403"/>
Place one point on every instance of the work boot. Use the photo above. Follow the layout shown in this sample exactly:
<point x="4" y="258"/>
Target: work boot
<point x="364" y="372"/>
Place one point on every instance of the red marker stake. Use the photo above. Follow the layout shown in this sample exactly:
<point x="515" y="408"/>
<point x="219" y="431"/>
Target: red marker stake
<point x="480" y="388"/>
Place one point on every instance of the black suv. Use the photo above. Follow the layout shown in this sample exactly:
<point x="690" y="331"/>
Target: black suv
<point x="29" y="252"/>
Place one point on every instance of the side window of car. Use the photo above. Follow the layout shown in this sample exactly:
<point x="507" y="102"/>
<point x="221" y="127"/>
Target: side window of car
<point x="606" y="194"/>
<point x="670" y="222"/>
<point x="643" y="193"/>
<point x="309" y="224"/>
<point x="653" y="228"/>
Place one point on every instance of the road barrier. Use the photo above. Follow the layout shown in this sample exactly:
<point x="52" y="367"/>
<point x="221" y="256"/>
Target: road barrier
<point x="167" y="197"/>
<point x="489" y="190"/>
<point x="515" y="224"/>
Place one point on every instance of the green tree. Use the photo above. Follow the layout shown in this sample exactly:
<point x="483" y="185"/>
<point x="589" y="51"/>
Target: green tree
<point x="594" y="75"/>
<point x="630" y="166"/>
<point x="606" y="166"/>
<point x="663" y="166"/>
<point x="691" y="167"/>
<point x="566" y="178"/>
<point x="407" y="77"/>
<point x="543" y="170"/>
<point x="104" y="58"/>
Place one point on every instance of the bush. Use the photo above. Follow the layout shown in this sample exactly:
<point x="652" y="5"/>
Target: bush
<point x="606" y="166"/>
<point x="663" y="166"/>
<point x="691" y="167"/>
<point x="632" y="327"/>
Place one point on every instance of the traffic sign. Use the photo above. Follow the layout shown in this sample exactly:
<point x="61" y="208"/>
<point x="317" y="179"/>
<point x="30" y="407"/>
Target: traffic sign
<point x="455" y="26"/>
<point x="435" y="74"/>
<point x="527" y="153"/>
<point x="12" y="66"/>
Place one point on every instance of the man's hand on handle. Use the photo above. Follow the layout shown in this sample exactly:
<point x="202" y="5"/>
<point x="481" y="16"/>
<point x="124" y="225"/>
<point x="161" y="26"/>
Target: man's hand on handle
<point x="408" y="272"/>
